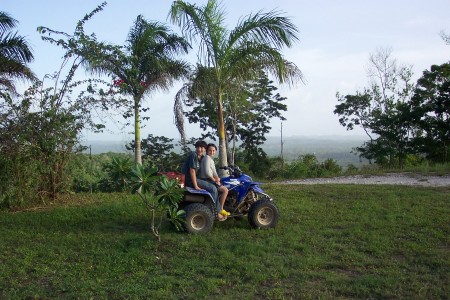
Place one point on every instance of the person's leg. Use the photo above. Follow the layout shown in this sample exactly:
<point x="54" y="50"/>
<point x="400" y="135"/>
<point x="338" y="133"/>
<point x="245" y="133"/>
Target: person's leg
<point x="211" y="188"/>
<point x="223" y="191"/>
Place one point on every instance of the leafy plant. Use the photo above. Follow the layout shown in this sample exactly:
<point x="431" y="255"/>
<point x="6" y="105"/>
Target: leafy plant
<point x="39" y="130"/>
<point x="171" y="194"/>
<point x="159" y="195"/>
<point x="118" y="172"/>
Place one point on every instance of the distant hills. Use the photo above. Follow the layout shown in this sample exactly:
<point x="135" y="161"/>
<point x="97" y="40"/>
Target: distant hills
<point x="98" y="147"/>
<point x="338" y="148"/>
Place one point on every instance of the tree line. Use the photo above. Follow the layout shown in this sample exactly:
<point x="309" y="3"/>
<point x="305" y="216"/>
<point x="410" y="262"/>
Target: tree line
<point x="402" y="119"/>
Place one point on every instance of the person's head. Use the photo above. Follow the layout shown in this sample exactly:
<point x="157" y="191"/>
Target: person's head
<point x="200" y="147"/>
<point x="211" y="150"/>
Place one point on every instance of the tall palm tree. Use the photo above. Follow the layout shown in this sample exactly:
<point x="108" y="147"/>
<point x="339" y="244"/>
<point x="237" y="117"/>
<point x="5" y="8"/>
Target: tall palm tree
<point x="15" y="53"/>
<point x="236" y="55"/>
<point x="145" y="64"/>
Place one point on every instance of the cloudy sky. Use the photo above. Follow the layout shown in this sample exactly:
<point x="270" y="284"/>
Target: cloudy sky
<point x="336" y="39"/>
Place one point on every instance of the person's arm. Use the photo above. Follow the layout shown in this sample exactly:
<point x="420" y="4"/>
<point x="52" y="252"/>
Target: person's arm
<point x="213" y="168"/>
<point x="194" y="178"/>
<point x="215" y="177"/>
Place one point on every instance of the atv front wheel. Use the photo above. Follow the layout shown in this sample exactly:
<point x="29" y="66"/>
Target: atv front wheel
<point x="263" y="214"/>
<point x="199" y="218"/>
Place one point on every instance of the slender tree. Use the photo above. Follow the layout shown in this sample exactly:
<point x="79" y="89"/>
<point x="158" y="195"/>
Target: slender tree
<point x="15" y="54"/>
<point x="145" y="64"/>
<point x="380" y="108"/>
<point x="236" y="55"/>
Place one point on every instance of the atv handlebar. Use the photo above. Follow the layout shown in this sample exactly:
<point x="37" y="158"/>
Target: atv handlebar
<point x="234" y="170"/>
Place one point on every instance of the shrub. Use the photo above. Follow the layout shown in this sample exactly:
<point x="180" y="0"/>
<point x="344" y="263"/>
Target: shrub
<point x="351" y="169"/>
<point x="331" y="167"/>
<point x="158" y="195"/>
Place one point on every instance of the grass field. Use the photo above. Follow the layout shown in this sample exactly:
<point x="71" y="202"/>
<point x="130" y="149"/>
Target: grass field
<point x="331" y="242"/>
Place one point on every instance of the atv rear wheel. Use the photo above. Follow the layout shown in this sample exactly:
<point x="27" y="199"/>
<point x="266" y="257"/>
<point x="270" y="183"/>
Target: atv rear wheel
<point x="199" y="218"/>
<point x="263" y="214"/>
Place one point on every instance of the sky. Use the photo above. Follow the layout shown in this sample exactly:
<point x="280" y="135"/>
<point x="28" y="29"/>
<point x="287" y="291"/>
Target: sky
<point x="335" y="41"/>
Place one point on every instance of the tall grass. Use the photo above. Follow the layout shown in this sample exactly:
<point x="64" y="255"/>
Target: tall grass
<point x="331" y="242"/>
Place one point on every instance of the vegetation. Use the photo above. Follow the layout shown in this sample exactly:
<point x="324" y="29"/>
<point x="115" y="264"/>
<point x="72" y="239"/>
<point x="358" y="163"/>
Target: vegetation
<point x="108" y="172"/>
<point x="159" y="195"/>
<point x="331" y="242"/>
<point x="400" y="118"/>
<point x="445" y="37"/>
<point x="39" y="130"/>
<point x="158" y="151"/>
<point x="431" y="119"/>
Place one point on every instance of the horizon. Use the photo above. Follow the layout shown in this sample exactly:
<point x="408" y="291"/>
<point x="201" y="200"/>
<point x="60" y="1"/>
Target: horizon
<point x="332" y="147"/>
<point x="322" y="136"/>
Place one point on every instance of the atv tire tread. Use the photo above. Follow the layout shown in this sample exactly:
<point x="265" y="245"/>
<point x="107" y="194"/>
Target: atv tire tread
<point x="263" y="214"/>
<point x="199" y="219"/>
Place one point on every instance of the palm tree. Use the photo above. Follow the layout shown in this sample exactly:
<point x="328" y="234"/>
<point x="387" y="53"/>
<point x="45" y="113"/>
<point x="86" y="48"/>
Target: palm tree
<point x="147" y="63"/>
<point x="15" y="53"/>
<point x="237" y="55"/>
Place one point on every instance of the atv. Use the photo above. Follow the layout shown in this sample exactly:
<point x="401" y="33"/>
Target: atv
<point x="245" y="198"/>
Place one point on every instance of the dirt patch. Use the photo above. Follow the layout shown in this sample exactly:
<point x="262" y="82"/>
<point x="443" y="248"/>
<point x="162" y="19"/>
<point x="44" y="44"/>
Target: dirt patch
<point x="394" y="179"/>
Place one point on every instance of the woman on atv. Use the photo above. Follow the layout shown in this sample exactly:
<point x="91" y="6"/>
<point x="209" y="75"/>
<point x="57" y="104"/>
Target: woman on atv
<point x="208" y="173"/>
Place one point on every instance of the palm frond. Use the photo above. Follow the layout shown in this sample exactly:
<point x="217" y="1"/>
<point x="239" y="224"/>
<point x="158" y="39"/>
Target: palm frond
<point x="15" y="47"/>
<point x="178" y="111"/>
<point x="204" y="23"/>
<point x="7" y="22"/>
<point x="8" y="85"/>
<point x="244" y="63"/>
<point x="11" y="69"/>
<point x="267" y="28"/>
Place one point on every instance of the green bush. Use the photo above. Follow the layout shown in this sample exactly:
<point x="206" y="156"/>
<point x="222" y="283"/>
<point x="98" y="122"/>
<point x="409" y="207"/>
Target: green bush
<point x="414" y="160"/>
<point x="351" y="169"/>
<point x="308" y="166"/>
<point x="331" y="167"/>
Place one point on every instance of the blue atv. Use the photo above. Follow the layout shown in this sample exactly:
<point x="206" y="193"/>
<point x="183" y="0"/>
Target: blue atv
<point x="245" y="198"/>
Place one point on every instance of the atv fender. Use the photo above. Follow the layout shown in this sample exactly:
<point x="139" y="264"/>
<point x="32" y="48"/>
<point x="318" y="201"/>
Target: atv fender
<point x="192" y="195"/>
<point x="255" y="186"/>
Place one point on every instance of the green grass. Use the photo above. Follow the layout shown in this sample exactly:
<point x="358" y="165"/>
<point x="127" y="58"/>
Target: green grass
<point x="331" y="242"/>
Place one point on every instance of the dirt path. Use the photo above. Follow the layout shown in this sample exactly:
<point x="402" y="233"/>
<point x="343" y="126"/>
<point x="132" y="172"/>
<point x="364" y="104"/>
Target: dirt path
<point x="395" y="179"/>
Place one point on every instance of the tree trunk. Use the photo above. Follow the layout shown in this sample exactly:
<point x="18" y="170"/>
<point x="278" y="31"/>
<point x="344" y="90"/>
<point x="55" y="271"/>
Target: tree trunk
<point x="137" y="133"/>
<point x="222" y="141"/>
<point x="233" y="149"/>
